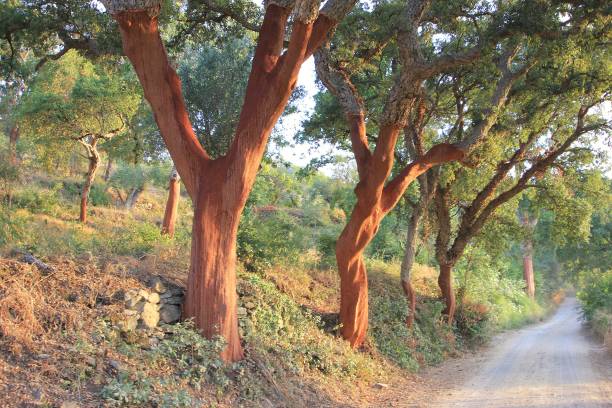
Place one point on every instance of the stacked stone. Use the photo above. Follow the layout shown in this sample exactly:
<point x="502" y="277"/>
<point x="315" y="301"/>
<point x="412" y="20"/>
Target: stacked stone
<point x="146" y="309"/>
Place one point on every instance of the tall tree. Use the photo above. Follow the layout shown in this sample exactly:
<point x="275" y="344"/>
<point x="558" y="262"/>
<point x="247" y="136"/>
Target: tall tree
<point x="405" y="105"/>
<point x="219" y="187"/>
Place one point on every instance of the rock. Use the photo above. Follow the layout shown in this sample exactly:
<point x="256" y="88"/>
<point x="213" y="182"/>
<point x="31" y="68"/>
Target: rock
<point x="131" y="299"/>
<point x="154" y="297"/>
<point x="70" y="404"/>
<point x="119" y="295"/>
<point x="144" y="294"/>
<point x="172" y="292"/>
<point x="130" y="312"/>
<point x="43" y="356"/>
<point x="90" y="361"/>
<point x="170" y="314"/>
<point x="115" y="364"/>
<point x="174" y="300"/>
<point x="380" y="386"/>
<point x="149" y="315"/>
<point x="129" y="323"/>
<point x="157" y="285"/>
<point x="250" y="305"/>
<point x="37" y="395"/>
<point x="242" y="311"/>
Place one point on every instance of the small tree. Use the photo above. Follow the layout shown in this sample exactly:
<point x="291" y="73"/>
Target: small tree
<point x="73" y="101"/>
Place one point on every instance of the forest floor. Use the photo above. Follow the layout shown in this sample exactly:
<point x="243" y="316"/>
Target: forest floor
<point x="551" y="364"/>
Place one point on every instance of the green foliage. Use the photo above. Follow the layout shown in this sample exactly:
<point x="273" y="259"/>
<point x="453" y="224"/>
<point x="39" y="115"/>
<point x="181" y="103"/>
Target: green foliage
<point x="38" y="201"/>
<point x="125" y="390"/>
<point x="595" y="292"/>
<point x="293" y="336"/>
<point x="136" y="239"/>
<point x="197" y="358"/>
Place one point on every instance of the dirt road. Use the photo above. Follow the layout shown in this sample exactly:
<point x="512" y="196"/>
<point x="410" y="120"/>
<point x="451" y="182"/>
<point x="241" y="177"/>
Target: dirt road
<point x="553" y="364"/>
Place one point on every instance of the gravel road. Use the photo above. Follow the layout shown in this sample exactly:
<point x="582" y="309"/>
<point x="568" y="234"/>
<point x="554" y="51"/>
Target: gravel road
<point x="552" y="364"/>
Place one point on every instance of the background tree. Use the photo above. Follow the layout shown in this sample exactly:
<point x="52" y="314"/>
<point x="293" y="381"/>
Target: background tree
<point x="73" y="101"/>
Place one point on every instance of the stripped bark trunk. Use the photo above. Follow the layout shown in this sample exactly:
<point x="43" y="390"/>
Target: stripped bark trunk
<point x="174" y="195"/>
<point x="528" y="222"/>
<point x="445" y="282"/>
<point x="94" y="163"/>
<point x="219" y="188"/>
<point x="527" y="247"/>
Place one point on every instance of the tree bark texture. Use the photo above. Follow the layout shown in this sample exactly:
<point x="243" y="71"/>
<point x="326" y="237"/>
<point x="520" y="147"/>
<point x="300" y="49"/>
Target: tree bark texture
<point x="174" y="195"/>
<point x="94" y="163"/>
<point x="219" y="188"/>
<point x="445" y="282"/>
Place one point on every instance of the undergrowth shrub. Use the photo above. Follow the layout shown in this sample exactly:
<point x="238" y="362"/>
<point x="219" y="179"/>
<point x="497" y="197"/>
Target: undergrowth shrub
<point x="38" y="201"/>
<point x="285" y="333"/>
<point x="595" y="296"/>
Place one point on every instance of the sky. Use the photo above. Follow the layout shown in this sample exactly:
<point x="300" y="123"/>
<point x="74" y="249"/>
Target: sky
<point x="302" y="154"/>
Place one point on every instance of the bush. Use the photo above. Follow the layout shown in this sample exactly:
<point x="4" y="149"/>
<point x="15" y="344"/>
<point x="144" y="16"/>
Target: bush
<point x="39" y="201"/>
<point x="595" y="292"/>
<point x="270" y="238"/>
<point x="98" y="195"/>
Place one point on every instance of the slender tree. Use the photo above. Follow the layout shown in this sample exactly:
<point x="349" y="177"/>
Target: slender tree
<point x="219" y="187"/>
<point x="74" y="101"/>
<point x="174" y="195"/>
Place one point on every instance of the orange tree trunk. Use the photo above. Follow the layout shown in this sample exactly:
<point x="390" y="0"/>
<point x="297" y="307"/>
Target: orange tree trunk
<point x="445" y="282"/>
<point x="219" y="188"/>
<point x="174" y="195"/>
<point x="357" y="234"/>
<point x="374" y="200"/>
<point x="528" y="268"/>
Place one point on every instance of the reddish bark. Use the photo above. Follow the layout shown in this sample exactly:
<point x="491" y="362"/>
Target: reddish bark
<point x="219" y="188"/>
<point x="374" y="201"/>
<point x="528" y="269"/>
<point x="174" y="195"/>
<point x="411" y="298"/>
<point x="445" y="282"/>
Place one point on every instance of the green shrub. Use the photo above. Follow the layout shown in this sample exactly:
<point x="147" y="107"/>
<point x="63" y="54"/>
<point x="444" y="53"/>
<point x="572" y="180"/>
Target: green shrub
<point x="271" y="238"/>
<point x="39" y="201"/>
<point x="595" y="292"/>
<point x="286" y="334"/>
<point x="137" y="239"/>
<point x="98" y="195"/>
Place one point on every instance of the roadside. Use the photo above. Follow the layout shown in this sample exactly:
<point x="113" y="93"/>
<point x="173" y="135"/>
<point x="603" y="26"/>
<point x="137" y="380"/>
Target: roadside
<point x="552" y="364"/>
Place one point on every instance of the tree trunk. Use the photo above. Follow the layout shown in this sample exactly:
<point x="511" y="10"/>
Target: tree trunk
<point x="108" y="169"/>
<point x="527" y="248"/>
<point x="219" y="188"/>
<point x="132" y="198"/>
<point x="94" y="163"/>
<point x="211" y="296"/>
<point x="445" y="282"/>
<point x="174" y="195"/>
<point x="408" y="262"/>
<point x="13" y="138"/>
<point x="359" y="231"/>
